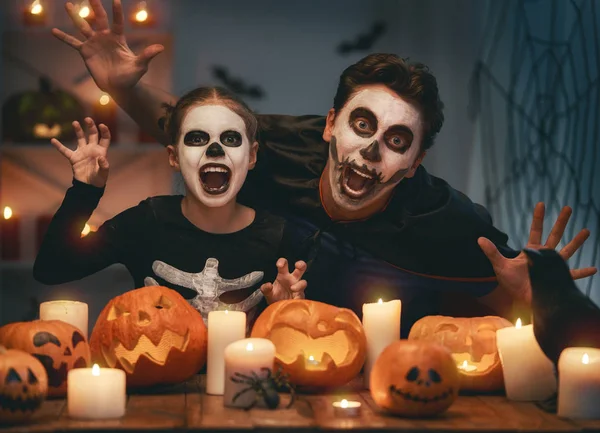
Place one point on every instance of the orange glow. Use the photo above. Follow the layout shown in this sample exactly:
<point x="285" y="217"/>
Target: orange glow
<point x="7" y="213"/>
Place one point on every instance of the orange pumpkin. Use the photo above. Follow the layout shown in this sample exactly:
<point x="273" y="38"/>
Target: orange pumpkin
<point x="23" y="385"/>
<point x="317" y="344"/>
<point x="414" y="379"/>
<point x="472" y="342"/>
<point x="58" y="345"/>
<point x="153" y="334"/>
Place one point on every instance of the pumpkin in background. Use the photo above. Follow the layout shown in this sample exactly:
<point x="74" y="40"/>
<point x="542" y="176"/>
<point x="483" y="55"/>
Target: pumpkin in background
<point x="23" y="385"/>
<point x="58" y="345"/>
<point x="40" y="115"/>
<point x="414" y="379"/>
<point x="317" y="344"/>
<point x="472" y="342"/>
<point x="153" y="334"/>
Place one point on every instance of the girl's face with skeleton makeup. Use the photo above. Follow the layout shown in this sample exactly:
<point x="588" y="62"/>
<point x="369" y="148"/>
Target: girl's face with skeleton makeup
<point x="213" y="154"/>
<point x="375" y="142"/>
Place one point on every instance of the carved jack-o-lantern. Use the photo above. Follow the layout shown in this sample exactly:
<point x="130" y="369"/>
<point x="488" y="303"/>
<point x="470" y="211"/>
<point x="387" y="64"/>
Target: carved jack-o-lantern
<point x="23" y="385"/>
<point x="153" y="334"/>
<point x="317" y="344"/>
<point x="58" y="345"/>
<point x="414" y="379"/>
<point x="472" y="342"/>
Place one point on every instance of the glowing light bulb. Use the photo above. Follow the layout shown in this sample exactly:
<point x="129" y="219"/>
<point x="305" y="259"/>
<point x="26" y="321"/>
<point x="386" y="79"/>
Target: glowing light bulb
<point x="518" y="324"/>
<point x="84" y="12"/>
<point x="96" y="370"/>
<point x="7" y="212"/>
<point x="104" y="99"/>
<point x="585" y="359"/>
<point x="249" y="347"/>
<point x="344" y="403"/>
<point x="36" y="8"/>
<point x="86" y="230"/>
<point x="380" y="301"/>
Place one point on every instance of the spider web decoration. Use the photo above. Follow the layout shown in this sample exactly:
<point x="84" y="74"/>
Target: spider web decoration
<point x="536" y="97"/>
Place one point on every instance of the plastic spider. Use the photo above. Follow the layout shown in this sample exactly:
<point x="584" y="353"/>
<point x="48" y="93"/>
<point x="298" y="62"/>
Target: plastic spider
<point x="267" y="387"/>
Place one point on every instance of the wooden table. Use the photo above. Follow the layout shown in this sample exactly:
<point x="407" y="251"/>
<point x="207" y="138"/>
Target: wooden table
<point x="187" y="408"/>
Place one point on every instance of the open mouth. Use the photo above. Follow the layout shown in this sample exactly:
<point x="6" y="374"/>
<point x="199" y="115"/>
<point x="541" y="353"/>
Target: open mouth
<point x="357" y="182"/>
<point x="215" y="178"/>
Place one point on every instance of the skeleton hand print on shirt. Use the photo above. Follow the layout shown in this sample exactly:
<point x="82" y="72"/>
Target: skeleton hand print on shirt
<point x="210" y="286"/>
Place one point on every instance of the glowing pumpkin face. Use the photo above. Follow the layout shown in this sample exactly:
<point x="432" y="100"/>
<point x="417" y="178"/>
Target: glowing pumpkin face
<point x="414" y="379"/>
<point x="58" y="345"/>
<point x="317" y="344"/>
<point x="472" y="342"/>
<point x="153" y="334"/>
<point x="23" y="385"/>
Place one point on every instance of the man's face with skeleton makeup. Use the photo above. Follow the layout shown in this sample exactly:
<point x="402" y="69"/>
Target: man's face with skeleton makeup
<point x="213" y="154"/>
<point x="375" y="142"/>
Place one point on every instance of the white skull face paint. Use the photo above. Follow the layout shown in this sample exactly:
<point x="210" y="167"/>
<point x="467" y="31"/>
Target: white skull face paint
<point x="376" y="139"/>
<point x="214" y="153"/>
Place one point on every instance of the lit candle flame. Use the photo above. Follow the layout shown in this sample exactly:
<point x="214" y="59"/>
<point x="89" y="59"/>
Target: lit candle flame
<point x="36" y="8"/>
<point x="104" y="99"/>
<point x="464" y="364"/>
<point x="344" y="403"/>
<point x="84" y="12"/>
<point x="380" y="301"/>
<point x="311" y="358"/>
<point x="96" y="370"/>
<point x="519" y="324"/>
<point x="249" y="347"/>
<point x="7" y="212"/>
<point x="86" y="230"/>
<point x="142" y="14"/>
<point x="585" y="359"/>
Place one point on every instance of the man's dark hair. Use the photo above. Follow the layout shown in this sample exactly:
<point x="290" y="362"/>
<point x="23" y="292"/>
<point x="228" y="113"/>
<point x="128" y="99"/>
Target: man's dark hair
<point x="411" y="81"/>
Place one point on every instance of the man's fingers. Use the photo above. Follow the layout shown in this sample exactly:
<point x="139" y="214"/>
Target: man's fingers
<point x="61" y="148"/>
<point x="100" y="14"/>
<point x="103" y="163"/>
<point x="300" y="286"/>
<point x="149" y="53"/>
<point x="576" y="243"/>
<point x="118" y="19"/>
<point x="491" y="252"/>
<point x="79" y="134"/>
<point x="92" y="130"/>
<point x="282" y="267"/>
<point x="80" y="23"/>
<point x="583" y="272"/>
<point x="537" y="224"/>
<point x="299" y="270"/>
<point x="559" y="227"/>
<point x="104" y="135"/>
<point x="67" y="39"/>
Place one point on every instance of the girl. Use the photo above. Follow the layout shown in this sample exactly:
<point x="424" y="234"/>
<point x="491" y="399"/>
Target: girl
<point x="211" y="249"/>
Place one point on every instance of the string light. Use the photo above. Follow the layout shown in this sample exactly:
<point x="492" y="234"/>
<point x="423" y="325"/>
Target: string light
<point x="34" y="13"/>
<point x="140" y="15"/>
<point x="104" y="99"/>
<point x="7" y="212"/>
<point x="36" y="8"/>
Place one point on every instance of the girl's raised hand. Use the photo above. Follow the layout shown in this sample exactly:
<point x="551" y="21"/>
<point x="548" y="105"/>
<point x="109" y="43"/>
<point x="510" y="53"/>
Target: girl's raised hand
<point x="88" y="161"/>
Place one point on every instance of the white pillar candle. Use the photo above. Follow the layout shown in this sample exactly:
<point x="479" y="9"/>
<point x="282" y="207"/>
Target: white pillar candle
<point x="72" y="312"/>
<point x="96" y="393"/>
<point x="247" y="357"/>
<point x="381" y="321"/>
<point x="579" y="383"/>
<point x="528" y="374"/>
<point x="224" y="327"/>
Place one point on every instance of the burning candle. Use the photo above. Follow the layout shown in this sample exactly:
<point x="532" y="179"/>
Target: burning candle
<point x="96" y="393"/>
<point x="465" y="366"/>
<point x="528" y="373"/>
<point x="72" y="312"/>
<point x="105" y="112"/>
<point x="381" y="322"/>
<point x="579" y="383"/>
<point x="224" y="327"/>
<point x="345" y="408"/>
<point x="34" y="13"/>
<point x="9" y="234"/>
<point x="247" y="357"/>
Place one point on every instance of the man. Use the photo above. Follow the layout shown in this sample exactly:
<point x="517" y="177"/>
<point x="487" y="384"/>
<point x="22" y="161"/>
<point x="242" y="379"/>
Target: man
<point x="376" y="224"/>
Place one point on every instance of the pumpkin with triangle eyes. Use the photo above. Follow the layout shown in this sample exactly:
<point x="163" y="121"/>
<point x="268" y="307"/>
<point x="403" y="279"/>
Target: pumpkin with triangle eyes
<point x="414" y="379"/>
<point x="58" y="345"/>
<point x="153" y="334"/>
<point x="23" y="385"/>
<point x="317" y="344"/>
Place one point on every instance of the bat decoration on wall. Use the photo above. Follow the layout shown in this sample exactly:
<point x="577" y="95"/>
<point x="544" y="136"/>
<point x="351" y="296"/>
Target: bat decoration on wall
<point x="237" y="85"/>
<point x="364" y="41"/>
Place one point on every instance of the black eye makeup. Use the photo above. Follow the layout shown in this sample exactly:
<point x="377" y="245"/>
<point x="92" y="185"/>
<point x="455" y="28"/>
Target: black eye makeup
<point x="363" y="122"/>
<point x="231" y="138"/>
<point x="196" y="138"/>
<point x="398" y="138"/>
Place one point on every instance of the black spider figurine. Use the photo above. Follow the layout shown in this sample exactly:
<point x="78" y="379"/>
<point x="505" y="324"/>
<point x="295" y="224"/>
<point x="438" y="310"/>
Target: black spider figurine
<point x="267" y="387"/>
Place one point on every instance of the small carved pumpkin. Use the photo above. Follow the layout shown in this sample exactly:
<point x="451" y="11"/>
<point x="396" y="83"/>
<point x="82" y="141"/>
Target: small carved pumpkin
<point x="59" y="346"/>
<point x="317" y="344"/>
<point x="414" y="379"/>
<point x="153" y="334"/>
<point x="23" y="385"/>
<point x="472" y="342"/>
